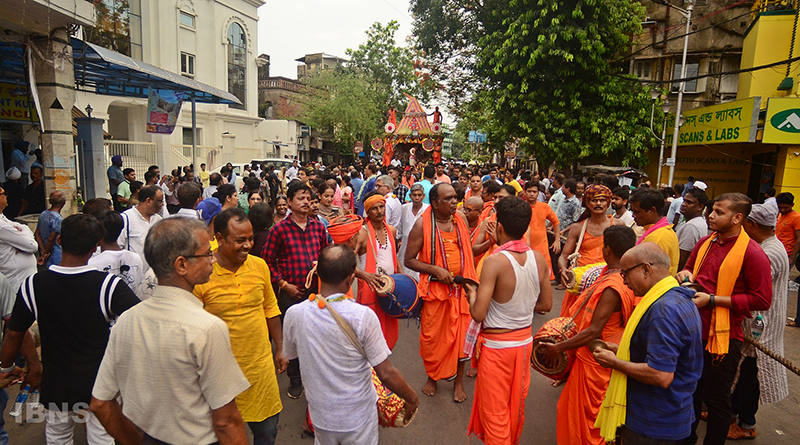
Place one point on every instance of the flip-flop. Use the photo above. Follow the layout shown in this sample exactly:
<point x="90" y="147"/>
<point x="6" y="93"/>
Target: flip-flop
<point x="792" y="323"/>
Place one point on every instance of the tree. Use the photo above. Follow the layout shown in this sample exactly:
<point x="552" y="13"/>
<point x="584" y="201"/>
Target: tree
<point x="542" y="71"/>
<point x="392" y="70"/>
<point x="344" y="105"/>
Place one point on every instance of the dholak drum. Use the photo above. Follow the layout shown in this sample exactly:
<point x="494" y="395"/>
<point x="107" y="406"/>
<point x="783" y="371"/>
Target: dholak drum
<point x="391" y="408"/>
<point x="398" y="296"/>
<point x="554" y="331"/>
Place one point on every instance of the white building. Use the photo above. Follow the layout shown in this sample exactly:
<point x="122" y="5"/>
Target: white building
<point x="211" y="41"/>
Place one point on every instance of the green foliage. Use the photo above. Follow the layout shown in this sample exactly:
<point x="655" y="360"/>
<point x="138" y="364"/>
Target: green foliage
<point x="390" y="69"/>
<point x="542" y="73"/>
<point x="343" y="105"/>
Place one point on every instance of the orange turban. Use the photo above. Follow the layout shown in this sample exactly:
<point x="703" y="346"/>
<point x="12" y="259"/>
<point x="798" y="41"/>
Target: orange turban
<point x="343" y="228"/>
<point x="372" y="200"/>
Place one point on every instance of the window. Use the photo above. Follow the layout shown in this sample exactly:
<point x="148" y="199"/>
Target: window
<point x="118" y="27"/>
<point x="643" y="70"/>
<point x="187" y="19"/>
<point x="187" y="65"/>
<point x="692" y="70"/>
<point x="237" y="63"/>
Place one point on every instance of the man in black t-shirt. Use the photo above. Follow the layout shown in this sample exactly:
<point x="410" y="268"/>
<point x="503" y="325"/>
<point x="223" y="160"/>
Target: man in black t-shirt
<point x="75" y="306"/>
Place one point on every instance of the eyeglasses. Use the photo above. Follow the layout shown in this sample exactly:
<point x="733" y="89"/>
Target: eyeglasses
<point x="625" y="272"/>
<point x="467" y="209"/>
<point x="208" y="255"/>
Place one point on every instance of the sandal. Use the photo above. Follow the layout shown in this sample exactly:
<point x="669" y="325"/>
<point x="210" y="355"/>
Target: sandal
<point x="735" y="432"/>
<point x="792" y="323"/>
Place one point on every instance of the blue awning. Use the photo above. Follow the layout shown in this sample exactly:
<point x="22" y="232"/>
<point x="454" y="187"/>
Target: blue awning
<point x="102" y="71"/>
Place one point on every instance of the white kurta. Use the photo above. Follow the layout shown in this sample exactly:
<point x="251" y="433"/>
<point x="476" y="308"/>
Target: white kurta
<point x="407" y="220"/>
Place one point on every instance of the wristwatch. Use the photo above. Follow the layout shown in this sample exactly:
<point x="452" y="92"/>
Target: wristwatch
<point x="711" y="302"/>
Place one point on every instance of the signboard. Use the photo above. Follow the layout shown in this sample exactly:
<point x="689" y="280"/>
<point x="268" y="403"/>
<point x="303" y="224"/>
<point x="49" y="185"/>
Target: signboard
<point x="305" y="130"/>
<point x="163" y="108"/>
<point x="727" y="123"/>
<point x="670" y="162"/>
<point x="15" y="105"/>
<point x="477" y="136"/>
<point x="782" y="124"/>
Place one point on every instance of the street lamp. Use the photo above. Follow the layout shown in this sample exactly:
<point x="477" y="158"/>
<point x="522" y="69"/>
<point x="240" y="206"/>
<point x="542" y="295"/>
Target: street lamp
<point x="688" y="14"/>
<point x="665" y="109"/>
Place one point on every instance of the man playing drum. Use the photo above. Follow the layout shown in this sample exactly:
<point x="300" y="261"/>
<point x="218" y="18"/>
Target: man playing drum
<point x="506" y="309"/>
<point x="609" y="305"/>
<point x="590" y="245"/>
<point x="441" y="240"/>
<point x="377" y="250"/>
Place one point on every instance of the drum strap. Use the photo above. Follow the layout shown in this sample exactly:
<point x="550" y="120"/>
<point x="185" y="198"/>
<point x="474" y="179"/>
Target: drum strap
<point x="346" y="328"/>
<point x="573" y="258"/>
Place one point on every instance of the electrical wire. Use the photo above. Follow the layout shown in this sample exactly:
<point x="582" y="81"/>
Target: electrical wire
<point x="723" y="73"/>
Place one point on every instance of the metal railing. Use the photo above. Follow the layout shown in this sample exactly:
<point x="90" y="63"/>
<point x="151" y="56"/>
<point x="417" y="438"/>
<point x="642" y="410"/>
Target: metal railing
<point x="136" y="155"/>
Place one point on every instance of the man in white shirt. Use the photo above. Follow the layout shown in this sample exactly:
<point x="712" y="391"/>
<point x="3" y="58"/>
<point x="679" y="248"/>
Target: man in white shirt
<point x="342" y="404"/>
<point x="17" y="247"/>
<point x="188" y="198"/>
<point x="675" y="205"/>
<point x="169" y="359"/>
<point x="291" y="172"/>
<point x="558" y="196"/>
<point x="619" y="202"/>
<point x="138" y="220"/>
<point x="694" y="227"/>
<point x="214" y="179"/>
<point x="112" y="259"/>
<point x="409" y="214"/>
<point x="384" y="185"/>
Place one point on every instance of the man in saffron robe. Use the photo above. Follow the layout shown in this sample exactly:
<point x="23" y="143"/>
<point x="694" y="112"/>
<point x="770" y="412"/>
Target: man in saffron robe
<point x="590" y="246"/>
<point x="537" y="229"/>
<point x="377" y="250"/>
<point x="646" y="206"/>
<point x="609" y="305"/>
<point x="439" y="249"/>
<point x="506" y="308"/>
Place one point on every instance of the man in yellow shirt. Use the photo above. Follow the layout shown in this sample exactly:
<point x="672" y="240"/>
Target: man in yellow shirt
<point x="510" y="177"/>
<point x="204" y="175"/>
<point x="240" y="293"/>
<point x="646" y="206"/>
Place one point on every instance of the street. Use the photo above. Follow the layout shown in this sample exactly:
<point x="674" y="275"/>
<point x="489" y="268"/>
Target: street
<point x="441" y="421"/>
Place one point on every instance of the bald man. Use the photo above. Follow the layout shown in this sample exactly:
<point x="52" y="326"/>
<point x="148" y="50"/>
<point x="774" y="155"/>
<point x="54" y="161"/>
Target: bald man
<point x="663" y="359"/>
<point x="472" y="208"/>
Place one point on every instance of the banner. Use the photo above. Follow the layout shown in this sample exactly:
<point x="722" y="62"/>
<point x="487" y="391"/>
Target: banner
<point x="726" y="123"/>
<point x="163" y="108"/>
<point x="14" y="104"/>
<point x="782" y="124"/>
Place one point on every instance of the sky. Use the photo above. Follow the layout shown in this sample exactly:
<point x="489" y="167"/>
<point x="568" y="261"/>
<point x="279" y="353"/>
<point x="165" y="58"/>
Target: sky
<point x="290" y="29"/>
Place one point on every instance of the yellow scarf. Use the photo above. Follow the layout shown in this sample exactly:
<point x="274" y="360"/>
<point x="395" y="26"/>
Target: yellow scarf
<point x="719" y="333"/>
<point x="612" y="413"/>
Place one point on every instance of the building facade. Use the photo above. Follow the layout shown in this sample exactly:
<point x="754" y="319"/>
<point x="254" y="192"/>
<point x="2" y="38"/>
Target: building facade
<point x="213" y="42"/>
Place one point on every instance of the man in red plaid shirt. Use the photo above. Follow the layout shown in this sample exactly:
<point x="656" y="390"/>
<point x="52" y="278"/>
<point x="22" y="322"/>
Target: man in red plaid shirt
<point x="291" y="249"/>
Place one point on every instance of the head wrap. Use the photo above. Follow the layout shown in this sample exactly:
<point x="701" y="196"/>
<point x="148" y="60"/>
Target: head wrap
<point x="700" y="185"/>
<point x="343" y="228"/>
<point x="372" y="200"/>
<point x="22" y="145"/>
<point x="595" y="190"/>
<point x="13" y="174"/>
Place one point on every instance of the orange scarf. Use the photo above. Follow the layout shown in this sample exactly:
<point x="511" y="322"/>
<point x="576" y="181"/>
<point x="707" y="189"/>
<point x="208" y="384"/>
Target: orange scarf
<point x="430" y="254"/>
<point x="720" y="330"/>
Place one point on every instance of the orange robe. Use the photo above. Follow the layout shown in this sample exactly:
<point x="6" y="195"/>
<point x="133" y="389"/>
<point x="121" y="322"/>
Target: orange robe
<point x="367" y="296"/>
<point x="504" y="377"/>
<point x="586" y="386"/>
<point x="445" y="314"/>
<point x="591" y="253"/>
<point x="479" y="259"/>
<point x="537" y="231"/>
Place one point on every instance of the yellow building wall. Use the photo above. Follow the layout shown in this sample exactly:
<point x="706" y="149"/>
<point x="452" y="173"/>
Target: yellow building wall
<point x="768" y="41"/>
<point x="787" y="170"/>
<point x="724" y="167"/>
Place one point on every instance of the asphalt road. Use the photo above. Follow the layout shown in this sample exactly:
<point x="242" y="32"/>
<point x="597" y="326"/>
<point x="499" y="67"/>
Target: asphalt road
<point x="441" y="421"/>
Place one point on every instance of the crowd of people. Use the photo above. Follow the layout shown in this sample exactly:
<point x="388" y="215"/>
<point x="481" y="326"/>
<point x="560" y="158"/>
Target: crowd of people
<point x="166" y="313"/>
